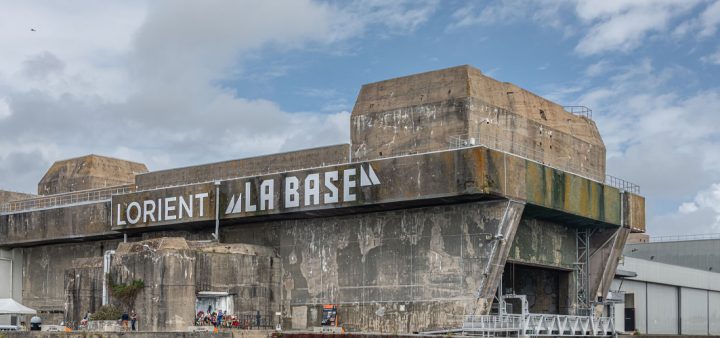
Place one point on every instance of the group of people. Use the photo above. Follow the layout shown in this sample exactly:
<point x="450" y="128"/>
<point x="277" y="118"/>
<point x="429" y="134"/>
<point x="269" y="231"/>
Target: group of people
<point x="132" y="318"/>
<point x="216" y="319"/>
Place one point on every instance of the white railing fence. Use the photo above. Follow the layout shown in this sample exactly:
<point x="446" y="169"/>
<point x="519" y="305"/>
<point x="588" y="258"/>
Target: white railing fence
<point x="78" y="197"/>
<point x="538" y="325"/>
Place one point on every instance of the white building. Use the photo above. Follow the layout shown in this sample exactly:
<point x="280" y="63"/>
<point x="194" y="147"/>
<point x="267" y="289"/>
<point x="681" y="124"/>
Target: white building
<point x="662" y="298"/>
<point x="10" y="279"/>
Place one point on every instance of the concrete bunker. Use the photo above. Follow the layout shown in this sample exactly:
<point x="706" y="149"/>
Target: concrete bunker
<point x="443" y="208"/>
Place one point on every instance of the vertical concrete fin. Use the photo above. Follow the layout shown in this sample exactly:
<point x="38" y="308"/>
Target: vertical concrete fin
<point x="604" y="261"/>
<point x="498" y="255"/>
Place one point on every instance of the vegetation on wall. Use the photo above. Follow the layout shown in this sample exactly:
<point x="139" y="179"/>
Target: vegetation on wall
<point x="107" y="312"/>
<point x="125" y="293"/>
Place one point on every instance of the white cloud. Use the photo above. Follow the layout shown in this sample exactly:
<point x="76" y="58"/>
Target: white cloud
<point x="710" y="19"/>
<point x="623" y="25"/>
<point x="713" y="58"/>
<point x="546" y="13"/>
<point x="661" y="138"/>
<point x="705" y="199"/>
<point x="603" y="26"/>
<point x="688" y="208"/>
<point x="599" y="68"/>
<point x="139" y="80"/>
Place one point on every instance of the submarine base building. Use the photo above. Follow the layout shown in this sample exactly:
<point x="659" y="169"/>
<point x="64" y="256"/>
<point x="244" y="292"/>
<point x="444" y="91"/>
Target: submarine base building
<point x="457" y="193"/>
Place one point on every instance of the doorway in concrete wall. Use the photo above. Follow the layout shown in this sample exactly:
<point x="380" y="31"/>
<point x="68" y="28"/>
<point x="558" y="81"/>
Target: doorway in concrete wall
<point x="209" y="302"/>
<point x="547" y="290"/>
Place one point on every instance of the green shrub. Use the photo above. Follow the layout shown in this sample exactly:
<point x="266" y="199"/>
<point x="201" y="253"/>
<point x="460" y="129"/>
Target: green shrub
<point x="125" y="293"/>
<point x="107" y="312"/>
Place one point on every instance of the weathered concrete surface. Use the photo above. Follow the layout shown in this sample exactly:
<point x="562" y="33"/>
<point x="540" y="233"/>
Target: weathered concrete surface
<point x="543" y="249"/>
<point x="432" y="261"/>
<point x="422" y="112"/>
<point x="44" y="275"/>
<point x="306" y="158"/>
<point x="83" y="287"/>
<point x="88" y="172"/>
<point x="250" y="273"/>
<point x="634" y="211"/>
<point x="474" y="173"/>
<point x="507" y="131"/>
<point x="167" y="267"/>
<point x="175" y="271"/>
<point x="57" y="224"/>
<point x="7" y="196"/>
<point x="425" y="178"/>
<point x="606" y="249"/>
<point x="544" y="243"/>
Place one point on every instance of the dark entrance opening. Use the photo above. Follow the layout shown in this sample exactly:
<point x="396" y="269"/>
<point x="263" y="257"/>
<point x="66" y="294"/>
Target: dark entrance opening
<point x="547" y="290"/>
<point x="630" y="312"/>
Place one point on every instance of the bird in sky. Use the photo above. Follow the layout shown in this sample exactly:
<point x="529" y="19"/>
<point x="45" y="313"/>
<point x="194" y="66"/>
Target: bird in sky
<point x="33" y="30"/>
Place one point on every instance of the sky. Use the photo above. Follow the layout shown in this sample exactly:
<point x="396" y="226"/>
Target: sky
<point x="176" y="83"/>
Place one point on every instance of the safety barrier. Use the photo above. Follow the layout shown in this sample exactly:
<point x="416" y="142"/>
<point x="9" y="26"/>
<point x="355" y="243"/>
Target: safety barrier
<point x="65" y="199"/>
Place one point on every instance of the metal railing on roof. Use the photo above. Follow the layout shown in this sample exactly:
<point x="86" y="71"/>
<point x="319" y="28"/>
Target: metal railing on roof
<point x="622" y="184"/>
<point x="680" y="238"/>
<point x="579" y="110"/>
<point x="64" y="199"/>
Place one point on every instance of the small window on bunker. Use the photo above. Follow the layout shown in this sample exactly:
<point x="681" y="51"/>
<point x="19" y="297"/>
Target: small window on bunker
<point x="542" y="115"/>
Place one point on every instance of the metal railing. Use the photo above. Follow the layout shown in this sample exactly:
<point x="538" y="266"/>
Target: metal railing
<point x="538" y="325"/>
<point x="622" y="184"/>
<point x="680" y="238"/>
<point x="65" y="199"/>
<point x="579" y="110"/>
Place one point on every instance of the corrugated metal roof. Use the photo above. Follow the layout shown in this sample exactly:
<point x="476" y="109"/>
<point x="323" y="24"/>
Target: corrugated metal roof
<point x="696" y="254"/>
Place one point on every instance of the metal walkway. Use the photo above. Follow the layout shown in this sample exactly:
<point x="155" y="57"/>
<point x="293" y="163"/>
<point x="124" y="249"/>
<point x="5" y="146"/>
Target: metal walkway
<point x="538" y="325"/>
<point x="528" y="324"/>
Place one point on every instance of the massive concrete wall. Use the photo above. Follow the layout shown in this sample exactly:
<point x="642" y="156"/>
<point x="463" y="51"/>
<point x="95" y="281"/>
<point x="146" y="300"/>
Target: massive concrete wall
<point x="44" y="274"/>
<point x="56" y="224"/>
<point x="167" y="267"/>
<point x="425" y="112"/>
<point x="250" y="273"/>
<point x="306" y="158"/>
<point x="7" y="196"/>
<point x="174" y="272"/>
<point x="402" y="271"/>
<point x="88" y="172"/>
<point x="83" y="287"/>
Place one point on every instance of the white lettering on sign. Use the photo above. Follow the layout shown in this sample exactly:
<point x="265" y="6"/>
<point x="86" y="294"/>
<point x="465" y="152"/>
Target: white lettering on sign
<point x="164" y="209"/>
<point x="255" y="195"/>
<point x="316" y="189"/>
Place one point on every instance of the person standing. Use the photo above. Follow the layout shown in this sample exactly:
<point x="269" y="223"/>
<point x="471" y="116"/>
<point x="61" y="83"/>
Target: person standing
<point x="133" y="320"/>
<point x="124" y="320"/>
